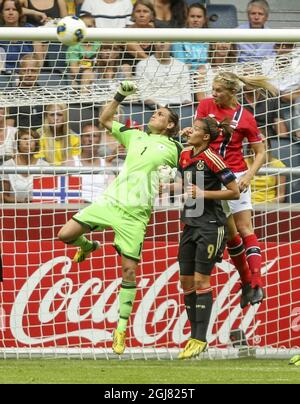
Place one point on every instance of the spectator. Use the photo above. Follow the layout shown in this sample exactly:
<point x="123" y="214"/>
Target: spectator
<point x="58" y="143"/>
<point x="2" y="60"/>
<point x="7" y="138"/>
<point x="90" y="145"/>
<point x="109" y="13"/>
<point x="143" y="16"/>
<point x="18" y="187"/>
<point x="167" y="79"/>
<point x="113" y="152"/>
<point x="30" y="116"/>
<point x="193" y="54"/>
<point x="94" y="185"/>
<point x="108" y="65"/>
<point x="258" y="14"/>
<point x="266" y="110"/>
<point x="38" y="16"/>
<point x="282" y="69"/>
<point x="11" y="15"/>
<point x="170" y="13"/>
<point x="268" y="188"/>
<point x="82" y="58"/>
<point x="72" y="6"/>
<point x="29" y="70"/>
<point x="51" y="8"/>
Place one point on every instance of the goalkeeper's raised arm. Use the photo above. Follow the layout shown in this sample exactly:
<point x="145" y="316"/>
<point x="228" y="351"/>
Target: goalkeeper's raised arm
<point x="107" y="117"/>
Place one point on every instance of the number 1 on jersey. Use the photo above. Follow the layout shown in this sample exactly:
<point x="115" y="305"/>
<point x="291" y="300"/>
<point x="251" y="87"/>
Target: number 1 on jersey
<point x="144" y="150"/>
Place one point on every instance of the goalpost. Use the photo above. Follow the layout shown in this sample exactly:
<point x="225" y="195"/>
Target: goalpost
<point x="49" y="305"/>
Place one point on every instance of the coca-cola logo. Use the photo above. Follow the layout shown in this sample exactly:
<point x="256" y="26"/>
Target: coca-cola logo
<point x="62" y="312"/>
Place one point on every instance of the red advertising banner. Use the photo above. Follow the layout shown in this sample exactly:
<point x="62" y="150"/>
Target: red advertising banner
<point x="47" y="301"/>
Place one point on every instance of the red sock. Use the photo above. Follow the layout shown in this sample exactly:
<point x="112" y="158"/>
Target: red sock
<point x="238" y="257"/>
<point x="254" y="259"/>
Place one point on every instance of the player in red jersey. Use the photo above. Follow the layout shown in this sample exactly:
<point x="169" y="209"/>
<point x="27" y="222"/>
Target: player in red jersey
<point x="242" y="243"/>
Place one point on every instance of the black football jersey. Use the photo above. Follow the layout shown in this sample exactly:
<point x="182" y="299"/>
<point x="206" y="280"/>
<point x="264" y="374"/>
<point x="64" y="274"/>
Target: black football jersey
<point x="209" y="172"/>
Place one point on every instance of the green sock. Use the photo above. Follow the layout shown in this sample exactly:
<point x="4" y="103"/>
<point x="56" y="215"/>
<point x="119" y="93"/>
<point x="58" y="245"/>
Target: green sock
<point x="126" y="298"/>
<point x="83" y="243"/>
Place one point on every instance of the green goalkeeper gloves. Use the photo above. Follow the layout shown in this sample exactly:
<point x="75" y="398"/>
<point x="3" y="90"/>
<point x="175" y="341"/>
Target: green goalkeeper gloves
<point x="126" y="88"/>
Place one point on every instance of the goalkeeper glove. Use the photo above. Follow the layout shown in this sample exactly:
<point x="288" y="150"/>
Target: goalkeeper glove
<point x="166" y="174"/>
<point x="126" y="88"/>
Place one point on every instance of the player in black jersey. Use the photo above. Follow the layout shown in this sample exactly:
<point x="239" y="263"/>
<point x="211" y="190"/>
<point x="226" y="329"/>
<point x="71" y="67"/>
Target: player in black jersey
<point x="204" y="236"/>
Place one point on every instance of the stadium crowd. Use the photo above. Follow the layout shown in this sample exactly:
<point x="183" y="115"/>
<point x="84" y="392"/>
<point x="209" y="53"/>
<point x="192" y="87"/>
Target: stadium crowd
<point x="71" y="135"/>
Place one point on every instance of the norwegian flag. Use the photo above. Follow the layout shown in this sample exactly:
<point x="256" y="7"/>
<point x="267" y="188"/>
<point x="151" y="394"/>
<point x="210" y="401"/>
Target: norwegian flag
<point x="59" y="189"/>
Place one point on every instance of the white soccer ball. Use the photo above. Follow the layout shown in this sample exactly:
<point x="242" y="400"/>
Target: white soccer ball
<point x="71" y="30"/>
<point x="166" y="173"/>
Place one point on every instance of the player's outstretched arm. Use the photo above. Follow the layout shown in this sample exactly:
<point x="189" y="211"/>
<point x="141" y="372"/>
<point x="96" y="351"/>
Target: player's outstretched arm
<point x="107" y="117"/>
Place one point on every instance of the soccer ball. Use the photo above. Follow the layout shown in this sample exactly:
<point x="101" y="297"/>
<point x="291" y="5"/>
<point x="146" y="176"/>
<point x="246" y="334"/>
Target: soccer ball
<point x="71" y="30"/>
<point x="166" y="174"/>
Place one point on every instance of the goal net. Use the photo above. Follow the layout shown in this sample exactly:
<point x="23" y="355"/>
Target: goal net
<point x="48" y="304"/>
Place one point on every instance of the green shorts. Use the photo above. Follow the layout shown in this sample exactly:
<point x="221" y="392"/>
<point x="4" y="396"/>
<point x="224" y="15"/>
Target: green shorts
<point x="129" y="232"/>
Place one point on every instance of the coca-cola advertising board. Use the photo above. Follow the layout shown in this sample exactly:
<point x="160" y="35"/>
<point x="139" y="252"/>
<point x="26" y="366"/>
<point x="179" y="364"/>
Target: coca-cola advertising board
<point x="47" y="301"/>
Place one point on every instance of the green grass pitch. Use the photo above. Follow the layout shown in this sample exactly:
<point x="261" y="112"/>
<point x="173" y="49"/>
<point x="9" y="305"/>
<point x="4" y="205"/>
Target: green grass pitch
<point x="151" y="371"/>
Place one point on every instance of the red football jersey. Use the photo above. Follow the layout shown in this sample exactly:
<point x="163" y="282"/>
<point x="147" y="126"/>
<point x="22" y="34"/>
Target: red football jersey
<point x="245" y="127"/>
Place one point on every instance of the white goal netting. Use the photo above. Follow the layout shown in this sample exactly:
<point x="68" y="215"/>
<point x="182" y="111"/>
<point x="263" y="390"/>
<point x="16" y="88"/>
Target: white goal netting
<point x="50" y="305"/>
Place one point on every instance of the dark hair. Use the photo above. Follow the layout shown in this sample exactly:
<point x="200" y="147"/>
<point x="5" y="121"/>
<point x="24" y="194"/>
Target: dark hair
<point x="213" y="128"/>
<point x="174" y="118"/>
<point x="179" y="13"/>
<point x="91" y="123"/>
<point x="146" y="3"/>
<point x="34" y="135"/>
<point x="19" y="8"/>
<point x="86" y="14"/>
<point x="201" y="7"/>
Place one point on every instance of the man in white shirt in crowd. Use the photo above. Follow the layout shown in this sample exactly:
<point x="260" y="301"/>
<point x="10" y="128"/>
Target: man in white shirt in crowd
<point x="164" y="77"/>
<point x="93" y="185"/>
<point x="109" y="13"/>
<point x="284" y="71"/>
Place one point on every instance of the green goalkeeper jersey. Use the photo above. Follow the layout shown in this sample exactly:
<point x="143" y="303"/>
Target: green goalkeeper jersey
<point x="136" y="187"/>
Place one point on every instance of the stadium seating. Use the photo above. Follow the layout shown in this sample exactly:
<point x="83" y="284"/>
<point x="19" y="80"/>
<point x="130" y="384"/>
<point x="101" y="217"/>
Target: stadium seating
<point x="222" y="16"/>
<point x="6" y="81"/>
<point x="51" y="79"/>
<point x="82" y="113"/>
<point x="56" y="57"/>
<point x="189" y="2"/>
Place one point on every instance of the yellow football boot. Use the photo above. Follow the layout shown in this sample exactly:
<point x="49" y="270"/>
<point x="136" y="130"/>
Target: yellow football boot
<point x="195" y="348"/>
<point x="82" y="255"/>
<point x="118" y="345"/>
<point x="295" y="360"/>
<point x="186" y="348"/>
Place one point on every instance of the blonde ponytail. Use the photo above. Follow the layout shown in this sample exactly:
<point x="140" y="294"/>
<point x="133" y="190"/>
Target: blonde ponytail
<point x="257" y="82"/>
<point x="233" y="82"/>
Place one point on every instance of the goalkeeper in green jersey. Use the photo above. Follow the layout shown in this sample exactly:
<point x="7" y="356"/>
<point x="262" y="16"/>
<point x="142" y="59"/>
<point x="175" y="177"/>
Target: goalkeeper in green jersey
<point x="127" y="203"/>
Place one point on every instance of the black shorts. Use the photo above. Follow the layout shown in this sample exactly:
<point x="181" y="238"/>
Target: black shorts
<point x="200" y="249"/>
